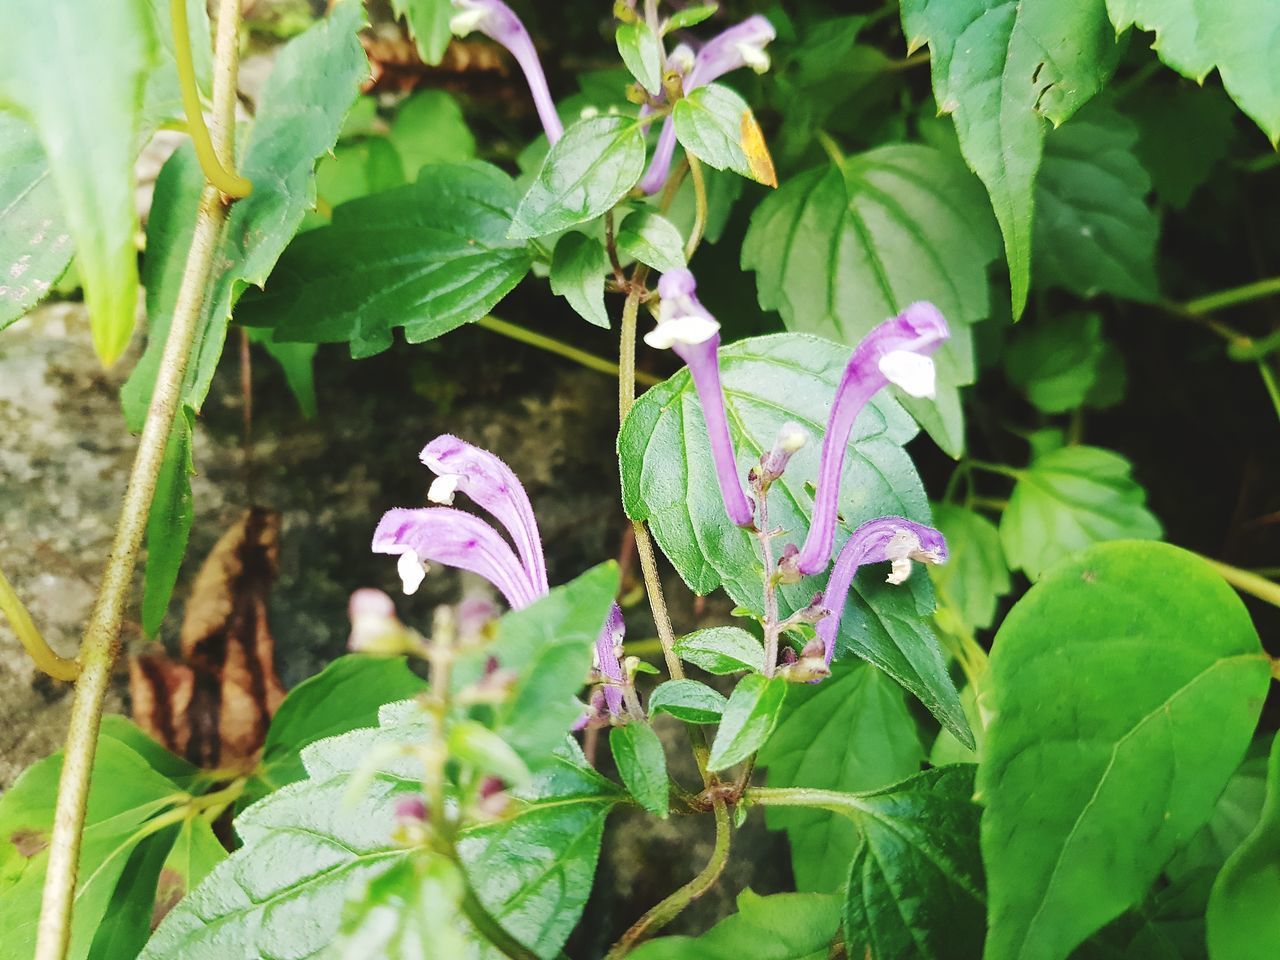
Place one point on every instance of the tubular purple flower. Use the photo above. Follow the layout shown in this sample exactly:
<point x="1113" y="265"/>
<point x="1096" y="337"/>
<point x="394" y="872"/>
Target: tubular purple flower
<point x="898" y="352"/>
<point x="607" y="646"/>
<point x="498" y="22"/>
<point x="456" y="539"/>
<point x="686" y="327"/>
<point x="742" y="45"/>
<point x="462" y="467"/>
<point x="895" y="539"/>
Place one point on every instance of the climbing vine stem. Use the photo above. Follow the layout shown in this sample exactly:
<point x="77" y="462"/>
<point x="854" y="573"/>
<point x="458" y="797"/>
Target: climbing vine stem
<point x="102" y="633"/>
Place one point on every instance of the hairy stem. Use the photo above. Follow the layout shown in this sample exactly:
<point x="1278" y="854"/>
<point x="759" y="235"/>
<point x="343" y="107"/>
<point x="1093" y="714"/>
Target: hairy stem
<point x="102" y="633"/>
<point x="560" y="348"/>
<point x="847" y="804"/>
<point x="60" y="668"/>
<point x="670" y="908"/>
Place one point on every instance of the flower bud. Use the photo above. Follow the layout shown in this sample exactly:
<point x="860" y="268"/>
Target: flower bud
<point x="791" y="439"/>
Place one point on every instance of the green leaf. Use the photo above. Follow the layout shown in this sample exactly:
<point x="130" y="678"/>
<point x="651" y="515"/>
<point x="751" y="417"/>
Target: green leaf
<point x="411" y="912"/>
<point x="475" y="744"/>
<point x="851" y="732"/>
<point x="1001" y="69"/>
<point x="721" y="650"/>
<point x="715" y="124"/>
<point x="549" y="645"/>
<point x="193" y="856"/>
<point x="1094" y="232"/>
<point x="652" y="239"/>
<point x="687" y="700"/>
<point x="1235" y="36"/>
<point x="1057" y="361"/>
<point x="297" y="362"/>
<point x="642" y="764"/>
<point x="589" y="170"/>
<point x="168" y="523"/>
<point x="88" y="123"/>
<point x="689" y="17"/>
<point x="785" y="926"/>
<point x="915" y="888"/>
<point x="124" y="793"/>
<point x="641" y="51"/>
<point x="35" y="245"/>
<point x="578" y="267"/>
<point x="749" y="718"/>
<point x="1183" y="132"/>
<point x="838" y="250"/>
<point x="306" y="846"/>
<point x="126" y="922"/>
<point x="1090" y="742"/>
<point x="362" y="684"/>
<point x="429" y="128"/>
<point x="169" y="765"/>
<point x="1067" y="500"/>
<point x="434" y="255"/>
<point x="975" y="575"/>
<point x="1241" y="920"/>
<point x="668" y="479"/>
<point x="428" y="22"/>
<point x="354" y="170"/>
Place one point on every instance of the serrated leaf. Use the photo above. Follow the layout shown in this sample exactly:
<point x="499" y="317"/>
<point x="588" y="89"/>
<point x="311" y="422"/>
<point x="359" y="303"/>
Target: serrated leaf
<point x="641" y="51"/>
<point x="642" y="765"/>
<point x="588" y="170"/>
<point x="851" y="732"/>
<point x="721" y="650"/>
<point x="1001" y="69"/>
<point x="1090" y="744"/>
<point x="1235" y="36"/>
<point x="434" y="255"/>
<point x="915" y="887"/>
<point x="975" y="575"/>
<point x="837" y="251"/>
<point x="785" y="926"/>
<point x="668" y="479"/>
<point x="579" y="265"/>
<point x="362" y="684"/>
<point x="88" y="123"/>
<point x="1241" y="920"/>
<point x="748" y="720"/>
<point x="715" y="124"/>
<point x="1094" y="232"/>
<point x="687" y="700"/>
<point x="428" y="22"/>
<point x="1067" y="500"/>
<point x="652" y="239"/>
<point x="1057" y="361"/>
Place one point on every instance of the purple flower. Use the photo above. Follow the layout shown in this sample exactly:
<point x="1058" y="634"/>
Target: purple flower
<point x="741" y="45"/>
<point x="898" y="352"/>
<point x="895" y="539"/>
<point x="498" y="22"/>
<point x="686" y="327"/>
<point x="790" y="440"/>
<point x="607" y="646"/>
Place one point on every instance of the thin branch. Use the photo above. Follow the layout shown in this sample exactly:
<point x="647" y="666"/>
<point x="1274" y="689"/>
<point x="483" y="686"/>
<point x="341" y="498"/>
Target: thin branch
<point x="1233" y="297"/>
<point x="60" y="668"/>
<point x="1247" y="582"/>
<point x="560" y="348"/>
<point x="102" y="634"/>
<point x="699" y="207"/>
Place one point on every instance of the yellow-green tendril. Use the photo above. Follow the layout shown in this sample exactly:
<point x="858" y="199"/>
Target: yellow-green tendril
<point x="28" y="633"/>
<point x="227" y="181"/>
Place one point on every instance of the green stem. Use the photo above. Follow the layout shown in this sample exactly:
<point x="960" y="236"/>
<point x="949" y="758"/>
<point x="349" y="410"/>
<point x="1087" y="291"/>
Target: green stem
<point x="489" y="928"/>
<point x="672" y="906"/>
<point x="228" y="181"/>
<point x="102" y="633"/>
<point x="1247" y="582"/>
<point x="60" y="668"/>
<point x="832" y="148"/>
<point x="1269" y="380"/>
<point x="1230" y="298"/>
<point x="699" y="207"/>
<point x="846" y="804"/>
<point x="558" y="347"/>
<point x="999" y="468"/>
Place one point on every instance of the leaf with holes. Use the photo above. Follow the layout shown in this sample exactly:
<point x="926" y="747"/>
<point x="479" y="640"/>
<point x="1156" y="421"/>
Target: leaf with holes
<point x="1091" y="744"/>
<point x="837" y="250"/>
<point x="1001" y="69"/>
<point x="668" y="479"/>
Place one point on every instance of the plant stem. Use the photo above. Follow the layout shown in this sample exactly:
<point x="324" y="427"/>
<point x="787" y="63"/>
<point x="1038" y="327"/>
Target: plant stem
<point x="1250" y="583"/>
<point x="102" y="633"/>
<point x="491" y="929"/>
<point x="60" y="668"/>
<point x="771" y="626"/>
<point x="666" y="911"/>
<point x="1232" y="297"/>
<point x="846" y="804"/>
<point x="1269" y="381"/>
<point x="699" y="207"/>
<point x="559" y="347"/>
<point x="999" y="468"/>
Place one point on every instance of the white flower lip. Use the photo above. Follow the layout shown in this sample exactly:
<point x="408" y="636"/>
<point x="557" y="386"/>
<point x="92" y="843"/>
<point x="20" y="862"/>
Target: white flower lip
<point x="412" y="571"/>
<point x="689" y="329"/>
<point x="467" y="19"/>
<point x="913" y="372"/>
<point x="753" y="56"/>
<point x="444" y="487"/>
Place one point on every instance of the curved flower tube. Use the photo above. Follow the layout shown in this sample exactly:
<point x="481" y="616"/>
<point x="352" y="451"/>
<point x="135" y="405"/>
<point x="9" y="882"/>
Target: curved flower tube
<point x="898" y="352"/>
<point x="498" y="22"/>
<point x="742" y="45"/>
<point x="463" y="467"/>
<point x="685" y="326"/>
<point x="895" y="539"/>
<point x="607" y="646"/>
